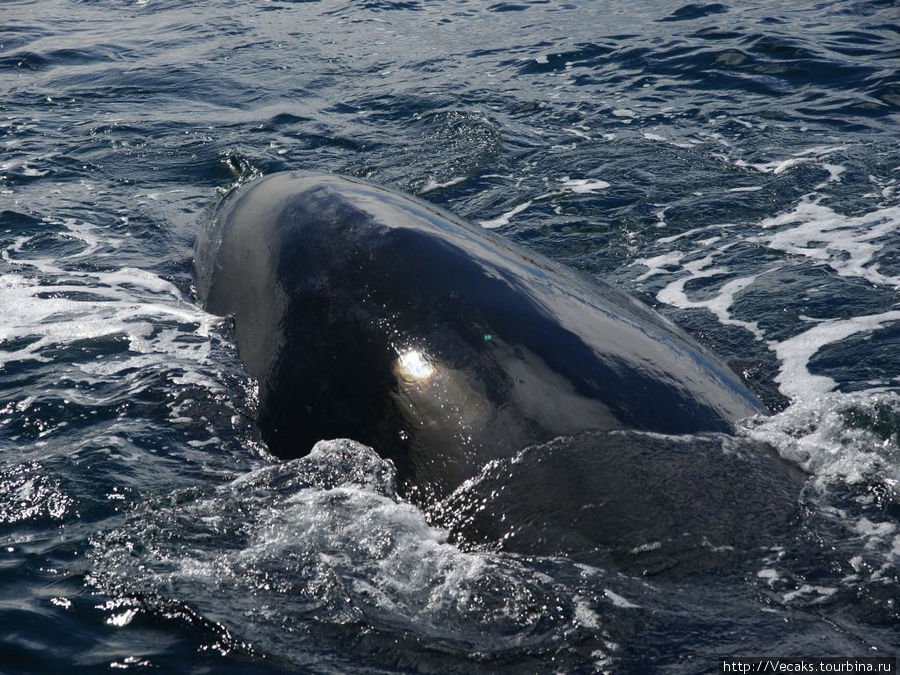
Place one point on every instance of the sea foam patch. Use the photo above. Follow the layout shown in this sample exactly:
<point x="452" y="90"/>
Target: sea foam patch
<point x="850" y="245"/>
<point x="812" y="155"/>
<point x="325" y="540"/>
<point x="504" y="218"/>
<point x="848" y="437"/>
<point x="50" y="303"/>
<point x="849" y="543"/>
<point x="95" y="340"/>
<point x="720" y="303"/>
<point x="583" y="185"/>
<point x="794" y="379"/>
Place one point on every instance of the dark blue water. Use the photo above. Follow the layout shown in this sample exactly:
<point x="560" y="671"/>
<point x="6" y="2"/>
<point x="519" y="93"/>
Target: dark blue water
<point x="734" y="165"/>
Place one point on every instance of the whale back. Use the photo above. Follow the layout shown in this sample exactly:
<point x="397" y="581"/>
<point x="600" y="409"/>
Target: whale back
<point x="366" y="313"/>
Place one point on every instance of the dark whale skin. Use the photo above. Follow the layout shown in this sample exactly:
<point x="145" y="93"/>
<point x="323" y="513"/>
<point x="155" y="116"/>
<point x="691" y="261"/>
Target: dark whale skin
<point x="369" y="314"/>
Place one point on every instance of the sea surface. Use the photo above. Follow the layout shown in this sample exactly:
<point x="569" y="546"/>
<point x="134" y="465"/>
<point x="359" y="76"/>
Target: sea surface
<point x="734" y="165"/>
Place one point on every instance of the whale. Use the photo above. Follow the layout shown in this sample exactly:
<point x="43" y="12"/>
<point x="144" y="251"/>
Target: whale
<point x="366" y="313"/>
<point x="639" y="502"/>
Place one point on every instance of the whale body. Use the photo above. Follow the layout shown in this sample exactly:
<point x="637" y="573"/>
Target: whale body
<point x="369" y="314"/>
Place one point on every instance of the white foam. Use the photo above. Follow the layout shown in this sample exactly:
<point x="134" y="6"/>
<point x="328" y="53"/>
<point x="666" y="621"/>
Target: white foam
<point x="821" y="150"/>
<point x="811" y="155"/>
<point x="433" y="185"/>
<point x="689" y="233"/>
<point x="650" y="136"/>
<point x="584" y="615"/>
<point x="583" y="185"/>
<point x="850" y="245"/>
<point x="26" y="170"/>
<point x="867" y="528"/>
<point x="834" y="174"/>
<point x="48" y="304"/>
<point x="619" y="601"/>
<point x="794" y="379"/>
<point x="847" y="244"/>
<point x="656" y="264"/>
<point x="661" y="217"/>
<point x="720" y="303"/>
<point x="327" y="534"/>
<point x="778" y="166"/>
<point x="769" y="574"/>
<point x="814" y="434"/>
<point x="810" y="593"/>
<point x="504" y="218"/>
<point x="650" y="546"/>
<point x="675" y="294"/>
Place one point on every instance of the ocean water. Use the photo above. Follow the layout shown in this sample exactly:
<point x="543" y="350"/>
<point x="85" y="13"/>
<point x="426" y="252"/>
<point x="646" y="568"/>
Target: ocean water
<point x="736" y="166"/>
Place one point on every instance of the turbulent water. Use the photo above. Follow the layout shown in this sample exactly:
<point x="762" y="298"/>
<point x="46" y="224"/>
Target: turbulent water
<point x="733" y="165"/>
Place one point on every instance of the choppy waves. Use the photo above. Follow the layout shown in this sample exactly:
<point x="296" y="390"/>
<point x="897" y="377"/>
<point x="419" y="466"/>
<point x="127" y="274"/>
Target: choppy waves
<point x="735" y="166"/>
